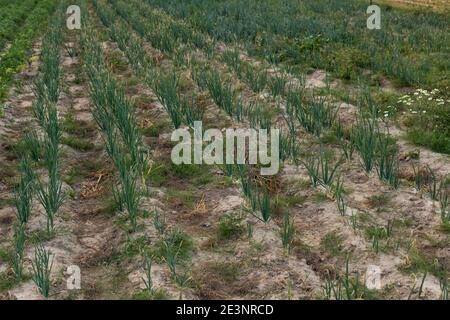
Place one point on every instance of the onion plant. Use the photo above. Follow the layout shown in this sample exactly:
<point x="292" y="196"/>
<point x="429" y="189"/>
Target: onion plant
<point x="264" y="204"/>
<point x="19" y="247"/>
<point x="444" y="203"/>
<point x="378" y="233"/>
<point x="344" y="287"/>
<point x="339" y="195"/>
<point x="364" y="138"/>
<point x="418" y="177"/>
<point x="277" y="85"/>
<point x="444" y="285"/>
<point x="42" y="265"/>
<point x="148" y="282"/>
<point x="256" y="79"/>
<point x="287" y="231"/>
<point x="433" y="188"/>
<point x="24" y="191"/>
<point x="316" y="116"/>
<point x="47" y="90"/>
<point x="165" y="88"/>
<point x="191" y="110"/>
<point x="258" y="115"/>
<point x="348" y="148"/>
<point x="320" y="169"/>
<point x="222" y="94"/>
<point x="172" y="258"/>
<point x="159" y="221"/>
<point x="33" y="145"/>
<point x="232" y="59"/>
<point x="51" y="195"/>
<point x="131" y="196"/>
<point x="387" y="163"/>
<point x="114" y="115"/>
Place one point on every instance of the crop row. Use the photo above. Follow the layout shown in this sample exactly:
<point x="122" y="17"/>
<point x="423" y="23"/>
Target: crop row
<point x="11" y="17"/>
<point x="41" y="149"/>
<point x="15" y="58"/>
<point x="334" y="38"/>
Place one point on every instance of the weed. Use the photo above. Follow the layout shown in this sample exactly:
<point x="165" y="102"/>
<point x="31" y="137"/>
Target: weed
<point x="230" y="227"/>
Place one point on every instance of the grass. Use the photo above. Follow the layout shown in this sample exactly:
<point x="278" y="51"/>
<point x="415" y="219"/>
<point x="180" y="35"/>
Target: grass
<point x="322" y="41"/>
<point x="332" y="243"/>
<point x="15" y="58"/>
<point x="227" y="270"/>
<point x="436" y="141"/>
<point x="427" y="118"/>
<point x="84" y="169"/>
<point x="158" y="294"/>
<point x="78" y="143"/>
<point x="419" y="262"/>
<point x="184" y="197"/>
<point x="230" y="227"/>
<point x="379" y="201"/>
<point x="289" y="201"/>
<point x="7" y="281"/>
<point x="175" y="240"/>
